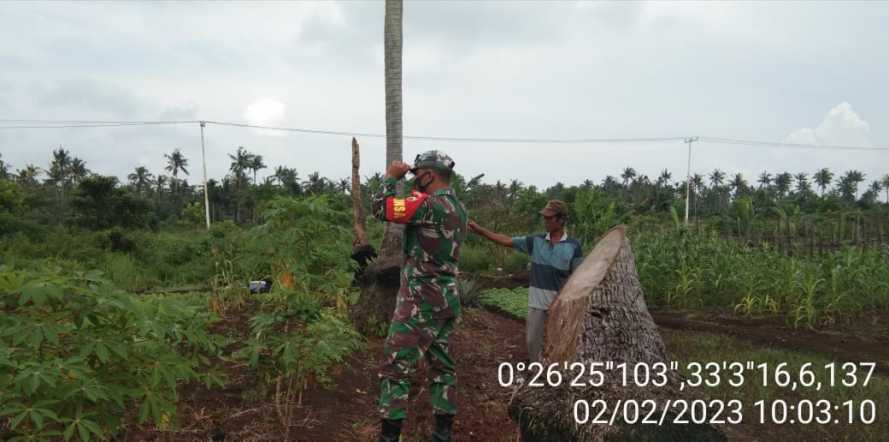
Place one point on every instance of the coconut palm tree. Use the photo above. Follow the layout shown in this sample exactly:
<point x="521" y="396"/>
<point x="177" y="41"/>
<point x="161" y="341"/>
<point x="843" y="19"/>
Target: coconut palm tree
<point x="176" y="162"/>
<point x="765" y="180"/>
<point x="664" y="178"/>
<point x="4" y="169"/>
<point x="315" y="184"/>
<point x="78" y="170"/>
<point x="393" y="62"/>
<point x="738" y="184"/>
<point x="141" y="178"/>
<point x="256" y="164"/>
<point x="716" y="178"/>
<point x="515" y="186"/>
<point x="885" y="182"/>
<point x="783" y="181"/>
<point x="610" y="184"/>
<point x="697" y="182"/>
<point x="848" y="185"/>
<point x="802" y="183"/>
<point x="628" y="174"/>
<point x="159" y="184"/>
<point x="60" y="167"/>
<point x="27" y="177"/>
<point x="876" y="187"/>
<point x="60" y="173"/>
<point x="823" y="179"/>
<point x="241" y="161"/>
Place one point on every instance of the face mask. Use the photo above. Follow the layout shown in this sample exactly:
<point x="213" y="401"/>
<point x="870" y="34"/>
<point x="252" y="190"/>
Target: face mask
<point x="418" y="182"/>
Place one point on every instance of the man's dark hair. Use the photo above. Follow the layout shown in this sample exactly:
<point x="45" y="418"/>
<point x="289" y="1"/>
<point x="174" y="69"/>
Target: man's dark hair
<point x="445" y="175"/>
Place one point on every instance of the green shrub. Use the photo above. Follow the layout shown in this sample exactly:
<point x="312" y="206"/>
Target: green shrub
<point x="511" y="301"/>
<point x="76" y="352"/>
<point x="470" y="294"/>
<point x="516" y="262"/>
<point x="475" y="259"/>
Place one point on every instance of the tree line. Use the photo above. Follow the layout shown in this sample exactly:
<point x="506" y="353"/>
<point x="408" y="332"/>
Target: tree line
<point x="66" y="191"/>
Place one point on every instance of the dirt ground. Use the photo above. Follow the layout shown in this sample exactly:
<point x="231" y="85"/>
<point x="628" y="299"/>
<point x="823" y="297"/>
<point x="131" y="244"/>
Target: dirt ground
<point x="242" y="412"/>
<point x="864" y="337"/>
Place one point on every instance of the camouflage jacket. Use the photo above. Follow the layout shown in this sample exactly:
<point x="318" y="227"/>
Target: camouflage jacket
<point x="435" y="226"/>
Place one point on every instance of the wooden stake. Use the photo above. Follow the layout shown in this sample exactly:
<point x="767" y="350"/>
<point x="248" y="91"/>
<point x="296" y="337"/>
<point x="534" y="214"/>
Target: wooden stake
<point x="357" y="206"/>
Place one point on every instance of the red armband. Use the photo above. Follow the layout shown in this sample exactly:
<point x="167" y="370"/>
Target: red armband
<point x="401" y="210"/>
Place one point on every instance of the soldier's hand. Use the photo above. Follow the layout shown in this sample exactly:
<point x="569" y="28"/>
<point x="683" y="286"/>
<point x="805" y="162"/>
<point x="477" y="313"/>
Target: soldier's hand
<point x="397" y="169"/>
<point x="473" y="226"/>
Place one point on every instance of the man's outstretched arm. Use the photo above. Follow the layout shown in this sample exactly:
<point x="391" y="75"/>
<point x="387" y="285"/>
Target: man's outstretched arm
<point x="498" y="238"/>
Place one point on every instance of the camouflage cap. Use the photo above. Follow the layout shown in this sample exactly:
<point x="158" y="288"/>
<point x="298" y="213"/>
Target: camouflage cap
<point x="433" y="159"/>
<point x="555" y="207"/>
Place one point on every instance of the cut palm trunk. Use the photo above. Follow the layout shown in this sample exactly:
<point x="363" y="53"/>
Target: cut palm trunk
<point x="380" y="280"/>
<point x="599" y="316"/>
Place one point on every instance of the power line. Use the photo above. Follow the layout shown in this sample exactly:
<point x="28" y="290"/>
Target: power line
<point x="67" y="124"/>
<point x="63" y="124"/>
<point x="100" y="121"/>
<point x="719" y="140"/>
<point x="455" y="139"/>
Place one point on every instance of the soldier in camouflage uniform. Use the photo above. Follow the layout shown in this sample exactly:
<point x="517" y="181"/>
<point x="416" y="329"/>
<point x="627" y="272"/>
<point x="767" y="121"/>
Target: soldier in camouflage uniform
<point x="428" y="304"/>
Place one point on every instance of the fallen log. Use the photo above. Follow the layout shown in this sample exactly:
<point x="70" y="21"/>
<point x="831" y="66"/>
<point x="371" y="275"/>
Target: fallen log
<point x="599" y="316"/>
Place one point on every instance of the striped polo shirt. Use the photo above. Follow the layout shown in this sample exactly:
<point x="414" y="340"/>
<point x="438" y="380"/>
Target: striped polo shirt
<point x="550" y="265"/>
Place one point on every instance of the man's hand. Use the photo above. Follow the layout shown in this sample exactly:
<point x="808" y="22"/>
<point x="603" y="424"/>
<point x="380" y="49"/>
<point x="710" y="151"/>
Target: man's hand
<point x="473" y="227"/>
<point x="503" y="240"/>
<point x="397" y="169"/>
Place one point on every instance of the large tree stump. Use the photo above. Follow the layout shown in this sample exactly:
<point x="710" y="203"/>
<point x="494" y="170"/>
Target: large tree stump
<point x="379" y="286"/>
<point x="379" y="278"/>
<point x="601" y="315"/>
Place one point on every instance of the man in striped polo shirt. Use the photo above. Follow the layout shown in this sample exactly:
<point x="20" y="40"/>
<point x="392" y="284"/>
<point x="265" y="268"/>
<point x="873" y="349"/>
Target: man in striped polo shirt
<point x="554" y="256"/>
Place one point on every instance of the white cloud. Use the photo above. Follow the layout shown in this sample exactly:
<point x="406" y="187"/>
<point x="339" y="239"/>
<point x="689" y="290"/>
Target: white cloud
<point x="841" y="126"/>
<point x="266" y="112"/>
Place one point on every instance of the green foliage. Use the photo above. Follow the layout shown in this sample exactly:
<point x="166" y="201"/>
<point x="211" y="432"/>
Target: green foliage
<point x="687" y="269"/>
<point x="470" y="294"/>
<point x="475" y="259"/>
<point x="516" y="262"/>
<point x="193" y="214"/>
<point x="299" y="334"/>
<point x="11" y="197"/>
<point x="593" y="214"/>
<point x="511" y="301"/>
<point x="99" y="204"/>
<point x="75" y="352"/>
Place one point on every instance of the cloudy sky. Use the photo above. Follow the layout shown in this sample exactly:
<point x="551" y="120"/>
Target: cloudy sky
<point x="800" y="72"/>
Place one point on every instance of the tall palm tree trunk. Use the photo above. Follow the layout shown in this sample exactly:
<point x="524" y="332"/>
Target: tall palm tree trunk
<point x="380" y="280"/>
<point x="393" y="36"/>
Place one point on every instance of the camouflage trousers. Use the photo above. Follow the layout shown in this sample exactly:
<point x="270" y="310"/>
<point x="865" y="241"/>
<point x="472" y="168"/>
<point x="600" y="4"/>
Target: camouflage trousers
<point x="409" y="339"/>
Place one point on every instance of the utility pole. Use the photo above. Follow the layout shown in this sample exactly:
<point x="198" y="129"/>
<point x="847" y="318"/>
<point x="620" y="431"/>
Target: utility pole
<point x="204" y="160"/>
<point x="688" y="140"/>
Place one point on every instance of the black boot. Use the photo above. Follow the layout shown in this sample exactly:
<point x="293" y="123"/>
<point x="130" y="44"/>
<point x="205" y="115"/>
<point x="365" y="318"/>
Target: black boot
<point x="443" y="428"/>
<point x="390" y="430"/>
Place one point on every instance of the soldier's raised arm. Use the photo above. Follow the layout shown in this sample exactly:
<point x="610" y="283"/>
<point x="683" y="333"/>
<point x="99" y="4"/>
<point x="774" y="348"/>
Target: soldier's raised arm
<point x="388" y="207"/>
